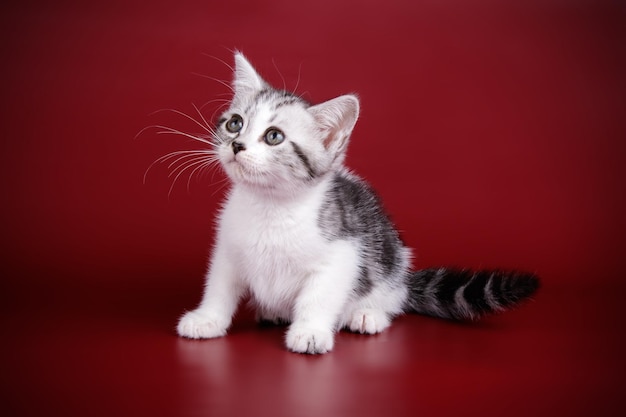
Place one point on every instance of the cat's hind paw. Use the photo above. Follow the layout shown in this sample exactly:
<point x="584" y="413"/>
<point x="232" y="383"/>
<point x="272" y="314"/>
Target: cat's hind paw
<point x="195" y="325"/>
<point x="369" y="321"/>
<point x="307" y="340"/>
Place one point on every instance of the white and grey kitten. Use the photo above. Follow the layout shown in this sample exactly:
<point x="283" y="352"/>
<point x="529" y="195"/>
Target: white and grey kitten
<point x="307" y="240"/>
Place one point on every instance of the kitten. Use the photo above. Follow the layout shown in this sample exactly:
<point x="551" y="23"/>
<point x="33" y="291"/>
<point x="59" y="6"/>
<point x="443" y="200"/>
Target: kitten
<point x="309" y="241"/>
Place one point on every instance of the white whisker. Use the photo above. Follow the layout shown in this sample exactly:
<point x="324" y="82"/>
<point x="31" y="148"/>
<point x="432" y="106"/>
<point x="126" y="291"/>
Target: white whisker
<point x="187" y="161"/>
<point x="186" y="166"/>
<point x="295" y="89"/>
<point x="206" y="164"/>
<point x="224" y="101"/>
<point x="224" y="83"/>
<point x="187" y="158"/>
<point x="220" y="60"/>
<point x="218" y="109"/>
<point x="142" y="130"/>
<point x="205" y="126"/>
<point x="172" y="131"/>
<point x="222" y="183"/>
<point x="164" y="158"/>
<point x="279" y="73"/>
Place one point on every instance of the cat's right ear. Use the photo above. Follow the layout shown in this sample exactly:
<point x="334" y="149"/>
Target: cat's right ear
<point x="336" y="119"/>
<point x="246" y="80"/>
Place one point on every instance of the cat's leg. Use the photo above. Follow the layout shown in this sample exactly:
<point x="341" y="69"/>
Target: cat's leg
<point x="319" y="305"/>
<point x="221" y="296"/>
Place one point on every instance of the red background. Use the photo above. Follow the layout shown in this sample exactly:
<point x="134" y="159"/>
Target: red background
<point x="493" y="130"/>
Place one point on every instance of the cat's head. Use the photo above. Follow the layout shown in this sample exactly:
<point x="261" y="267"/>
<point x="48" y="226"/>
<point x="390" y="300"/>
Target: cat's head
<point x="271" y="139"/>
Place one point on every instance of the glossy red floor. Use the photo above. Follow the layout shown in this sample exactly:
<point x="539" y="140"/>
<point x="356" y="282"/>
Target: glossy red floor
<point x="494" y="133"/>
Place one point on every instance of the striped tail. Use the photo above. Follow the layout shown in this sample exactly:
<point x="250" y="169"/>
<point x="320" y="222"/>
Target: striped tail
<point x="467" y="295"/>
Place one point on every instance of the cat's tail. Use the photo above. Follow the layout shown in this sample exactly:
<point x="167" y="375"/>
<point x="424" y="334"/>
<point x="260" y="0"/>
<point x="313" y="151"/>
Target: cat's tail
<point x="467" y="295"/>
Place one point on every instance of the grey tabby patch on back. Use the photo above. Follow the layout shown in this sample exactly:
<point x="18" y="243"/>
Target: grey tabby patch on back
<point x="352" y="210"/>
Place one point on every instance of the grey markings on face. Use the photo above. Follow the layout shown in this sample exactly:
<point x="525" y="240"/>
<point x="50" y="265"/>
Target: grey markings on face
<point x="304" y="159"/>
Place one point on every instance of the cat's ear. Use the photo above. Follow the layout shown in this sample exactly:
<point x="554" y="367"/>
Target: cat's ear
<point x="336" y="118"/>
<point x="246" y="80"/>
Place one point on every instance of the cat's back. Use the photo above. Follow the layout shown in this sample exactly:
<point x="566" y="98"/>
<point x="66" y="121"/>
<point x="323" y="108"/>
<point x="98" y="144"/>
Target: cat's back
<point x="353" y="211"/>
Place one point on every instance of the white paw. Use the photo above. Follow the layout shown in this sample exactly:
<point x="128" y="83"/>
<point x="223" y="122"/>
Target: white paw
<point x="195" y="325"/>
<point x="307" y="340"/>
<point x="369" y="321"/>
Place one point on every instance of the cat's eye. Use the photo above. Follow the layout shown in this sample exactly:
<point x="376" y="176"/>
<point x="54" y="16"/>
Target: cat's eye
<point x="274" y="137"/>
<point x="234" y="124"/>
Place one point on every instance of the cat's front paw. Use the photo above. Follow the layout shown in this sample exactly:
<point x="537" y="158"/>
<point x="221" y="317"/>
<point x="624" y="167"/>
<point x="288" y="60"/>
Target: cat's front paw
<point x="301" y="339"/>
<point x="369" y="321"/>
<point x="196" y="325"/>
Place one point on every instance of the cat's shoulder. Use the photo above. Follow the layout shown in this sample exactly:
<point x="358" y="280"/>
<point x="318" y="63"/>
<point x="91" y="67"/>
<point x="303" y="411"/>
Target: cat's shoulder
<point x="349" y="187"/>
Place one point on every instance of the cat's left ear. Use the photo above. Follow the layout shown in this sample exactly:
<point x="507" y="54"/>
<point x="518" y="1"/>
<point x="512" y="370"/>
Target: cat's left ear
<point x="336" y="118"/>
<point x="246" y="80"/>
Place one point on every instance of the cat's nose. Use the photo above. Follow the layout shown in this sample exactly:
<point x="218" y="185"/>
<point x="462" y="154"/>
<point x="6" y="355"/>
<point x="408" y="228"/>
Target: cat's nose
<point x="238" y="146"/>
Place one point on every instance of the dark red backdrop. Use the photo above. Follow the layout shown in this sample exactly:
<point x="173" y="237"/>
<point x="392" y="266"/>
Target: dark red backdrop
<point x="494" y="131"/>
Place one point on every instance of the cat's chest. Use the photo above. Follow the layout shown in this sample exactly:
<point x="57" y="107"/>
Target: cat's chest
<point x="270" y="235"/>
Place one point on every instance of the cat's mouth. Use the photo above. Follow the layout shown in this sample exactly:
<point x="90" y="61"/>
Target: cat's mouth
<point x="246" y="170"/>
<point x="243" y="172"/>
